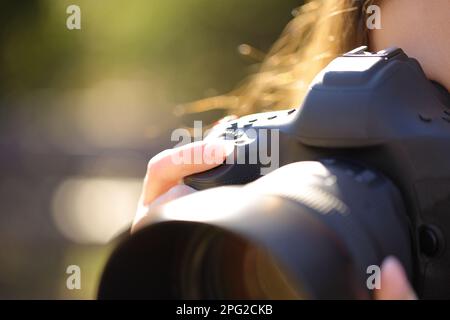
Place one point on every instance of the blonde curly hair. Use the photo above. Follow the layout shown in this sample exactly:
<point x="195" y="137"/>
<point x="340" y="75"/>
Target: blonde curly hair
<point x="320" y="31"/>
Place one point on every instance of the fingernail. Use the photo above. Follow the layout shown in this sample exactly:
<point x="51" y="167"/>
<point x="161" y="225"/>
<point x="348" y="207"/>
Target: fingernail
<point x="395" y="274"/>
<point x="217" y="150"/>
<point x="226" y="146"/>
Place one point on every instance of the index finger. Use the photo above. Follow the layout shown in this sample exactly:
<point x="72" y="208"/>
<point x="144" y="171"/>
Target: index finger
<point x="169" y="167"/>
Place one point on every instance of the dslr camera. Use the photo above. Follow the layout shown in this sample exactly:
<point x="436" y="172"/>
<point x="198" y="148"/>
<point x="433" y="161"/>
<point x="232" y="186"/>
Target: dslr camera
<point x="364" y="173"/>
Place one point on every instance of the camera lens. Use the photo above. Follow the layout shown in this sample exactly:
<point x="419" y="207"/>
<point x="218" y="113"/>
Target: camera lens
<point x="220" y="265"/>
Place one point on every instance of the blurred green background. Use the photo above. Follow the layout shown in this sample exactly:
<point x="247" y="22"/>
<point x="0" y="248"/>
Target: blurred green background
<point x="82" y="111"/>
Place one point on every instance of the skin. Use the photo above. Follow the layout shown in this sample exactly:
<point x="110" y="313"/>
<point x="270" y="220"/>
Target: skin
<point x="420" y="27"/>
<point x="162" y="181"/>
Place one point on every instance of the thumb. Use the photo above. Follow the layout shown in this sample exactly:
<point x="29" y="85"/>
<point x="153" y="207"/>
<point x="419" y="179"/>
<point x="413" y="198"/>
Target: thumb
<point x="394" y="282"/>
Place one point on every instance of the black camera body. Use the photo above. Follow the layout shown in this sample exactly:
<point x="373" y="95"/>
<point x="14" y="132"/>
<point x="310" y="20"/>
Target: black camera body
<point x="366" y="156"/>
<point x="381" y="111"/>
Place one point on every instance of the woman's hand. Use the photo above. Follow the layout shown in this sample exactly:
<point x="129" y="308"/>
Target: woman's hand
<point x="394" y="283"/>
<point x="165" y="171"/>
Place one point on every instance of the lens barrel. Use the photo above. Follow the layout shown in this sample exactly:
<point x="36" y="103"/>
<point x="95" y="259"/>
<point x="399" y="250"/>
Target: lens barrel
<point x="308" y="230"/>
